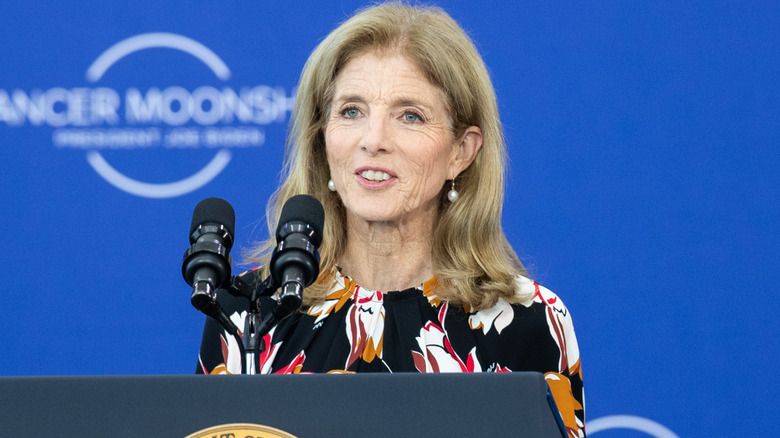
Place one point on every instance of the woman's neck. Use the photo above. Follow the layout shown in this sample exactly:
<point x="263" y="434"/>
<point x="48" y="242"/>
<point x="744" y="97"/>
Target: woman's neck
<point x="388" y="256"/>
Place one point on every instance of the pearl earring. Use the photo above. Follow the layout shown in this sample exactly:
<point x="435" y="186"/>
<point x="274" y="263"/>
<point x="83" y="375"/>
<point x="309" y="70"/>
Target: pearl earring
<point x="331" y="185"/>
<point x="452" y="195"/>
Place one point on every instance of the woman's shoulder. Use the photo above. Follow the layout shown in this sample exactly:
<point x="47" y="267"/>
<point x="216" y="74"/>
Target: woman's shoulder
<point x="528" y="292"/>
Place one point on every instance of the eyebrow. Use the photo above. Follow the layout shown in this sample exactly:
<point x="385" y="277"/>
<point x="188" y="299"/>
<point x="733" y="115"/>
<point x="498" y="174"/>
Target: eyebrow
<point x="412" y="102"/>
<point x="349" y="98"/>
<point x="402" y="101"/>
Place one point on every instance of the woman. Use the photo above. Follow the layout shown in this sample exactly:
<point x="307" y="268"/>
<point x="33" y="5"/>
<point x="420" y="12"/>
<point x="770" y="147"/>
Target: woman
<point x="396" y="131"/>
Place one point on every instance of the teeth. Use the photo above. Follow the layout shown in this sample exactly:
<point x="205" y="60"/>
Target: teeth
<point x="375" y="175"/>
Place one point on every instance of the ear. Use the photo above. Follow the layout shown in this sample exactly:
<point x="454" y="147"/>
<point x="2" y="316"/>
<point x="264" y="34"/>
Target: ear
<point x="465" y="150"/>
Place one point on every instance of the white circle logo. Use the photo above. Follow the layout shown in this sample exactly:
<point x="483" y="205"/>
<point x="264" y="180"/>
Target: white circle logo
<point x="631" y="422"/>
<point x="98" y="118"/>
<point x="147" y="41"/>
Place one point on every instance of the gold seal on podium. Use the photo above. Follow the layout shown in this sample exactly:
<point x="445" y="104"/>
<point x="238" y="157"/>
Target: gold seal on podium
<point x="241" y="430"/>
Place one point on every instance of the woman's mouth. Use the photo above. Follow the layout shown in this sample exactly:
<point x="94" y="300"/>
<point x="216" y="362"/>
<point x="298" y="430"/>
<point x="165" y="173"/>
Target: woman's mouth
<point x="375" y="175"/>
<point x="375" y="178"/>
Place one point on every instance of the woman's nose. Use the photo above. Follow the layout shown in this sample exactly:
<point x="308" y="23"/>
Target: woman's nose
<point x="377" y="137"/>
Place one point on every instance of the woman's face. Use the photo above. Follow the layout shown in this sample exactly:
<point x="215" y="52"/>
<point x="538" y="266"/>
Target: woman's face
<point x="388" y="139"/>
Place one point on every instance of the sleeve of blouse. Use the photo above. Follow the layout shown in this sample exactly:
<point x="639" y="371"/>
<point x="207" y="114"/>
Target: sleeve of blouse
<point x="565" y="383"/>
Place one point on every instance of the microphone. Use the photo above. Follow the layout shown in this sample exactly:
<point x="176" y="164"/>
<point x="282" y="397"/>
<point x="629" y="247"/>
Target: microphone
<point x="295" y="263"/>
<point x="206" y="264"/>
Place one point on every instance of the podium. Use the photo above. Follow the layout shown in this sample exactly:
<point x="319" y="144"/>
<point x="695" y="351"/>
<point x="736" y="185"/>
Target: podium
<point x="359" y="405"/>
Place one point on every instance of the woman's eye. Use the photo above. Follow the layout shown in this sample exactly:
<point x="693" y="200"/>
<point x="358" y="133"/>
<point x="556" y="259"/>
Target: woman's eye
<point x="350" y="112"/>
<point x="412" y="117"/>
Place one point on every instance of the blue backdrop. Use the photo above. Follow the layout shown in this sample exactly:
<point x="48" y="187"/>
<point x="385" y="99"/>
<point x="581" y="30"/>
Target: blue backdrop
<point x="643" y="186"/>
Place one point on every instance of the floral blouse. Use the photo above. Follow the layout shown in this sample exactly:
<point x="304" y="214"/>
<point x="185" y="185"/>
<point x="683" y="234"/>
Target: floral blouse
<point x="362" y="330"/>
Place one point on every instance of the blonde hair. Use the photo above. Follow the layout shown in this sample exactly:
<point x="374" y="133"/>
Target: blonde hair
<point x="472" y="259"/>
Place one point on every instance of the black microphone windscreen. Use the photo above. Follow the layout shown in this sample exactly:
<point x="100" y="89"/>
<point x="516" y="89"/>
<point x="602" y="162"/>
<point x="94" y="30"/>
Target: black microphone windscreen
<point x="306" y="209"/>
<point x="213" y="211"/>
